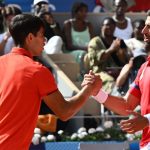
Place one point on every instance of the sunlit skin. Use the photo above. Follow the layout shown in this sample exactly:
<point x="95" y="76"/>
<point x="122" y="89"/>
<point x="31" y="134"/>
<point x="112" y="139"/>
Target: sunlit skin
<point x="120" y="7"/>
<point x="82" y="13"/>
<point x="49" y="18"/>
<point x="36" y="49"/>
<point x="146" y="30"/>
<point x="138" y="122"/>
<point x="108" y="28"/>
<point x="138" y="31"/>
<point x="120" y="106"/>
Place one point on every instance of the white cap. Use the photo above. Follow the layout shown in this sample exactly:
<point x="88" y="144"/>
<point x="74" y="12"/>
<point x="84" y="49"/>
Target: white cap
<point x="35" y="2"/>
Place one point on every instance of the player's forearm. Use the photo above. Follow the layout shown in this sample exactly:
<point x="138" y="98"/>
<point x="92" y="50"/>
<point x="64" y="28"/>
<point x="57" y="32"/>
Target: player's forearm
<point x="117" y="104"/>
<point x="76" y="102"/>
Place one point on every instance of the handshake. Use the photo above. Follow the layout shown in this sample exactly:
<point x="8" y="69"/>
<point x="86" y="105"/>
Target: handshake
<point x="94" y="82"/>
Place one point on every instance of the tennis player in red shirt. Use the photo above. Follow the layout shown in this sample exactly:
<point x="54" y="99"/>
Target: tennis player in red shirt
<point x="24" y="83"/>
<point x="138" y="94"/>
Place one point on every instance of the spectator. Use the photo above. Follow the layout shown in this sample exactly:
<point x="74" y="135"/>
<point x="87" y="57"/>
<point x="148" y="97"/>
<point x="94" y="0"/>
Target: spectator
<point x="52" y="33"/>
<point x="38" y="4"/>
<point x="77" y="33"/>
<point x="124" y="27"/>
<point x="106" y="51"/>
<point x="137" y="42"/>
<point x="6" y="41"/>
<point x="52" y="27"/>
<point x="108" y="5"/>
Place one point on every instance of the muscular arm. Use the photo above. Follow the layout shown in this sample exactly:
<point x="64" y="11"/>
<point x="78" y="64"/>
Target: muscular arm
<point x="65" y="109"/>
<point x="121" y="79"/>
<point x="120" y="105"/>
<point x="91" y="31"/>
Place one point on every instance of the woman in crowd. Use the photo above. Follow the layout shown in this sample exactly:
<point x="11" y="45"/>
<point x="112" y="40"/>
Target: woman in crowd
<point x="77" y="32"/>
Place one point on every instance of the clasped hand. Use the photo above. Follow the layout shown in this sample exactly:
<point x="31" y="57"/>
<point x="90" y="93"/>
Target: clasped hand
<point x="93" y="80"/>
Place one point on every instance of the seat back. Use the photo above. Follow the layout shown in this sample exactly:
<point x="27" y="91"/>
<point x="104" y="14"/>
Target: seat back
<point x="62" y="57"/>
<point x="67" y="63"/>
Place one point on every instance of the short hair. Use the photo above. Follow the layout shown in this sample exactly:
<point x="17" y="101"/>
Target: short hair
<point x="23" y="24"/>
<point x="138" y="21"/>
<point x="77" y="7"/>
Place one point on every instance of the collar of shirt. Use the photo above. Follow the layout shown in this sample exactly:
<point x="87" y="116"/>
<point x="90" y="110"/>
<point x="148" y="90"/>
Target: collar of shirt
<point x="148" y="59"/>
<point x="21" y="51"/>
<point x="144" y="68"/>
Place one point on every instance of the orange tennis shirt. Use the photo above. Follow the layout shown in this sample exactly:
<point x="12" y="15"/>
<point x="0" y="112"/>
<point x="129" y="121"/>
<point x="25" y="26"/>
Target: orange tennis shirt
<point x="23" y="83"/>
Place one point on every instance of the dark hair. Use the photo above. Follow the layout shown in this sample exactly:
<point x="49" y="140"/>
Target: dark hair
<point x="77" y="7"/>
<point x="1" y="22"/>
<point x="23" y="24"/>
<point x="138" y="21"/>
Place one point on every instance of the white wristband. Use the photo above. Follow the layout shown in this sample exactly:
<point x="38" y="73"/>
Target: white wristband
<point x="101" y="97"/>
<point x="148" y="117"/>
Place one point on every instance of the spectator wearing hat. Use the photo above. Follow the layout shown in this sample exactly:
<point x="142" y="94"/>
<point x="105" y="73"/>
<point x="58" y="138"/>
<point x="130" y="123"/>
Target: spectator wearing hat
<point x="38" y="4"/>
<point x="52" y="27"/>
<point x="6" y="41"/>
<point x="53" y="33"/>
